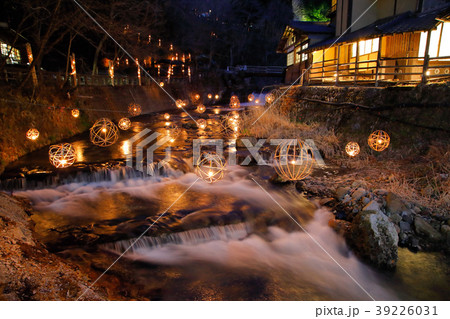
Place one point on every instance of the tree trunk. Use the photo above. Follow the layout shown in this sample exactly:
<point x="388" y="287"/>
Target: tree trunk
<point x="97" y="53"/>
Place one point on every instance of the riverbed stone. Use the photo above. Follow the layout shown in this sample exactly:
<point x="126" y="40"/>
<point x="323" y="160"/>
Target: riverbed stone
<point x="359" y="183"/>
<point x="424" y="228"/>
<point x="360" y="192"/>
<point x="445" y="230"/>
<point x="396" y="218"/>
<point x="372" y="205"/>
<point x="341" y="192"/>
<point x="365" y="200"/>
<point x="375" y="238"/>
<point x="407" y="216"/>
<point x="394" y="204"/>
<point x="404" y="226"/>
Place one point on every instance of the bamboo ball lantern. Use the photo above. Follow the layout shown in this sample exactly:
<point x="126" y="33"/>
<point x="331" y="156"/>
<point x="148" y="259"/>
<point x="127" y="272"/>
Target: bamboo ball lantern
<point x="124" y="123"/>
<point x="251" y="97"/>
<point x="257" y="101"/>
<point x="201" y="108"/>
<point x="196" y="97"/>
<point x="179" y="103"/>
<point x="104" y="133"/>
<point x="32" y="134"/>
<point x="379" y="140"/>
<point x="234" y="102"/>
<point x="230" y="124"/>
<point x="270" y="98"/>
<point x="134" y="109"/>
<point x="210" y="167"/>
<point x="166" y="116"/>
<point x="75" y="113"/>
<point x="161" y="84"/>
<point x="62" y="155"/>
<point x="210" y="96"/>
<point x="201" y="123"/>
<point x="293" y="160"/>
<point x="352" y="149"/>
<point x="216" y="96"/>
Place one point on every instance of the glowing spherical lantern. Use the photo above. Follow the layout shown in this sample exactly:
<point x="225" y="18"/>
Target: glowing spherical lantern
<point x="201" y="108"/>
<point x="134" y="109"/>
<point x="379" y="140"/>
<point x="210" y="96"/>
<point x="179" y="103"/>
<point x="201" y="123"/>
<point x="161" y="84"/>
<point x="166" y="116"/>
<point x="257" y="101"/>
<point x="32" y="134"/>
<point x="196" y="97"/>
<point x="251" y="97"/>
<point x="62" y="155"/>
<point x="352" y="149"/>
<point x="293" y="160"/>
<point x="124" y="123"/>
<point x="270" y="98"/>
<point x="104" y="133"/>
<point x="216" y="96"/>
<point x="210" y="167"/>
<point x="234" y="102"/>
<point x="231" y="125"/>
<point x="75" y="113"/>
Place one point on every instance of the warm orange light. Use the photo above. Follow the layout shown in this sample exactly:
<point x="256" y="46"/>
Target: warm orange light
<point x="166" y="116"/>
<point x="75" y="113"/>
<point x="32" y="134"/>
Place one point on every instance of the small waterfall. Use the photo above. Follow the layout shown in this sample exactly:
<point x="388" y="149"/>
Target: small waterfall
<point x="91" y="174"/>
<point x="191" y="237"/>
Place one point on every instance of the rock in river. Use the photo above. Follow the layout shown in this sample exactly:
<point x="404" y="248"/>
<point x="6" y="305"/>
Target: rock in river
<point x="375" y="238"/>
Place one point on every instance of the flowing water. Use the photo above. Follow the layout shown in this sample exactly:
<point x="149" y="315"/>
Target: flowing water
<point x="183" y="239"/>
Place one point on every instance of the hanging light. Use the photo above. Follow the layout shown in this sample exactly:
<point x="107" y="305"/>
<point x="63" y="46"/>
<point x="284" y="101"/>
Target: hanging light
<point x="75" y="113"/>
<point x="62" y="155"/>
<point x="104" y="133"/>
<point x="134" y="109"/>
<point x="210" y="167"/>
<point x="379" y="140"/>
<point x="32" y="134"/>
<point x="292" y="160"/>
<point x="124" y="123"/>
<point x="201" y="108"/>
<point x="201" y="123"/>
<point x="179" y="103"/>
<point x="352" y="149"/>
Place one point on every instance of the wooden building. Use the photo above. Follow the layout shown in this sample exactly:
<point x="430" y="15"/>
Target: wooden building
<point x="392" y="41"/>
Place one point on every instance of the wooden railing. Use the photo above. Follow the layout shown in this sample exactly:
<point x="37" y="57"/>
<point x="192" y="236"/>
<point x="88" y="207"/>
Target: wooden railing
<point x="16" y="76"/>
<point x="399" y="69"/>
<point x="252" y="69"/>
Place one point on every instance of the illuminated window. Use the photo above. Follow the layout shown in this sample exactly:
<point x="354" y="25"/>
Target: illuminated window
<point x="438" y="41"/>
<point x="304" y="55"/>
<point x="297" y="54"/>
<point x="366" y="47"/>
<point x="290" y="58"/>
<point x="12" y="54"/>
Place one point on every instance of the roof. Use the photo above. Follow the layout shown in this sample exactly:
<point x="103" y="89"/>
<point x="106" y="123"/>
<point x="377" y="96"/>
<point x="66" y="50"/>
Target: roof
<point x="405" y="22"/>
<point x="305" y="28"/>
<point x="308" y="27"/>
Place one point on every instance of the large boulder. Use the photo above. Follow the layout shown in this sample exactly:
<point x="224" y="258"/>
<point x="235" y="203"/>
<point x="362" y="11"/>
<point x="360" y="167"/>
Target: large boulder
<point x="394" y="204"/>
<point x="374" y="238"/>
<point x="425" y="229"/>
